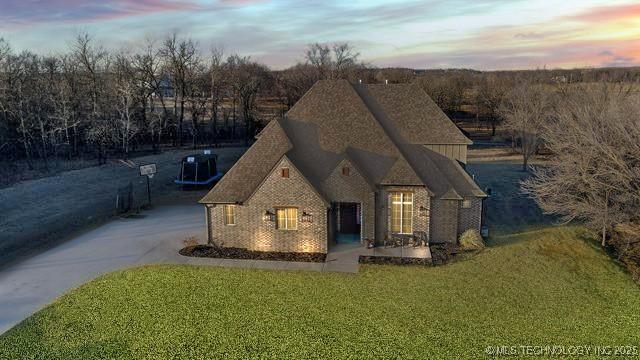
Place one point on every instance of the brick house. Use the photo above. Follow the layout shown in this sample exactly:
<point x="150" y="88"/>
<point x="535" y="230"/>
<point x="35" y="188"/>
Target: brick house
<point x="348" y="162"/>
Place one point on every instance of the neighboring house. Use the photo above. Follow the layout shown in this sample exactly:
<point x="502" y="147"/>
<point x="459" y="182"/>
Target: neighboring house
<point x="348" y="162"/>
<point x="165" y="87"/>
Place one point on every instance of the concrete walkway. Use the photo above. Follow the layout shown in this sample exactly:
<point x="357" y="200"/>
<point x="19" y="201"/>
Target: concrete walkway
<point x="153" y="238"/>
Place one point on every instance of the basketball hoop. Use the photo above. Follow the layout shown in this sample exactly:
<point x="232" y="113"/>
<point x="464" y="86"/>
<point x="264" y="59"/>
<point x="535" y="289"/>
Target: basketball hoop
<point x="149" y="171"/>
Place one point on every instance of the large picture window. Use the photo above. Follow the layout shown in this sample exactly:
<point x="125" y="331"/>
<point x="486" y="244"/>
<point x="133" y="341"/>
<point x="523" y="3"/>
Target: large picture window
<point x="287" y="218"/>
<point x="229" y="214"/>
<point x="402" y="212"/>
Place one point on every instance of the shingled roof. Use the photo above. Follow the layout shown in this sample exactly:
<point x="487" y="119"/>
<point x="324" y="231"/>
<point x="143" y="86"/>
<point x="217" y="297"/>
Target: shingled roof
<point x="335" y="120"/>
<point x="237" y="185"/>
<point x="416" y="115"/>
<point x="330" y="119"/>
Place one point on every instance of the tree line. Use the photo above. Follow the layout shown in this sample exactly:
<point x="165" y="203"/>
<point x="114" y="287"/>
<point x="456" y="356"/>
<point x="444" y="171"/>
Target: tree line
<point x="90" y="100"/>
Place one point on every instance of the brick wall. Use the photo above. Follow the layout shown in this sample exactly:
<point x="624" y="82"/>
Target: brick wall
<point x="352" y="188"/>
<point x="444" y="221"/>
<point x="470" y="218"/>
<point x="450" y="219"/>
<point x="420" y="218"/>
<point x="253" y="233"/>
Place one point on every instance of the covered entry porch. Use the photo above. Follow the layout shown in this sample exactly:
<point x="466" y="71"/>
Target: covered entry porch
<point x="345" y="223"/>
<point x="343" y="256"/>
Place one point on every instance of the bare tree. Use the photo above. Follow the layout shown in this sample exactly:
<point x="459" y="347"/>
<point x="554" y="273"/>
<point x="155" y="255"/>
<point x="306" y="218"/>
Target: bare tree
<point x="294" y="82"/>
<point x="491" y="92"/>
<point x="526" y="110"/>
<point x="247" y="79"/>
<point x="345" y="58"/>
<point x="5" y="52"/>
<point x="95" y="62"/>
<point x="334" y="61"/>
<point x="197" y="98"/>
<point x="63" y="101"/>
<point x="152" y="79"/>
<point x="126" y="91"/>
<point x="319" y="56"/>
<point x="595" y="173"/>
<point x="446" y="89"/>
<point x="217" y="83"/>
<point x="180" y="55"/>
<point x="21" y="75"/>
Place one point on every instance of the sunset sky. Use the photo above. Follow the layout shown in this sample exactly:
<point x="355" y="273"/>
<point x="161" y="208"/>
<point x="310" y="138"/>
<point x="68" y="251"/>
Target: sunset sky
<point x="490" y="34"/>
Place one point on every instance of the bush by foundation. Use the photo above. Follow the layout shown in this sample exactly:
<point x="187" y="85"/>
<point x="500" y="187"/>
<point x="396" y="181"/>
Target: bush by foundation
<point x="471" y="240"/>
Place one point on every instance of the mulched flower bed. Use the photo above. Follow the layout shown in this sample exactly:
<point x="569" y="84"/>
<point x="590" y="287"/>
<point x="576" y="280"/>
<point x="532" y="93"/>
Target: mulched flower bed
<point x="207" y="251"/>
<point x="392" y="260"/>
<point x="445" y="253"/>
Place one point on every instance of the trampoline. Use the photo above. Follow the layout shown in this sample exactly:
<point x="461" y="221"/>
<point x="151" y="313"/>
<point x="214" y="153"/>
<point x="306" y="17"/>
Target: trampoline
<point x="198" y="169"/>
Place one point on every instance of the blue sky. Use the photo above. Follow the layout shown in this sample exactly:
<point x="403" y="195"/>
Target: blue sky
<point x="490" y="34"/>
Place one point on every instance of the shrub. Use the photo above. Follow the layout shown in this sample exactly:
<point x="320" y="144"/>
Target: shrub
<point x="190" y="241"/>
<point x="471" y="240"/>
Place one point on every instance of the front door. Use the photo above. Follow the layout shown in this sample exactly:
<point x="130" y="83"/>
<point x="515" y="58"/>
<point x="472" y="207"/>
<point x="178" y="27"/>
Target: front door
<point x="348" y="222"/>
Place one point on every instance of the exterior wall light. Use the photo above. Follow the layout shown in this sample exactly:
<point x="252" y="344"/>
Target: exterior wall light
<point x="424" y="211"/>
<point x="268" y="216"/>
<point x="306" y="217"/>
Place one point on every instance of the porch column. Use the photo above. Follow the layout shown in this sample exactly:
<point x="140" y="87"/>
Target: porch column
<point x="207" y="215"/>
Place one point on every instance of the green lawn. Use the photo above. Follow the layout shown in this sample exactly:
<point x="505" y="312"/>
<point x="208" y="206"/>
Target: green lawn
<point x="543" y="287"/>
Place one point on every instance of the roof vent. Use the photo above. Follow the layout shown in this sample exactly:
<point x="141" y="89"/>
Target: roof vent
<point x="359" y="81"/>
<point x="386" y="82"/>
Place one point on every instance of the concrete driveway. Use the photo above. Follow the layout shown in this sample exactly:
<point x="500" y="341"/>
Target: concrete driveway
<point x="154" y="237"/>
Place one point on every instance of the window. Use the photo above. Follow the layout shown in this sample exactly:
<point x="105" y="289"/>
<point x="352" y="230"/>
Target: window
<point x="229" y="214"/>
<point x="284" y="172"/>
<point x="466" y="203"/>
<point x="287" y="218"/>
<point x="402" y="212"/>
<point x="345" y="171"/>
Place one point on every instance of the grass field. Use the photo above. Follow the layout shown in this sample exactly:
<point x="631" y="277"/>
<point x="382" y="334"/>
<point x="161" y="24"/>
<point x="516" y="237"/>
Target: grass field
<point x="543" y="287"/>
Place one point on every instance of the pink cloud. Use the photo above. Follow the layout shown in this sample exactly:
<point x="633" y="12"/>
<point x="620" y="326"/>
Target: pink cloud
<point x="22" y="12"/>
<point x="241" y="2"/>
<point x="567" y="54"/>
<point x="609" y="13"/>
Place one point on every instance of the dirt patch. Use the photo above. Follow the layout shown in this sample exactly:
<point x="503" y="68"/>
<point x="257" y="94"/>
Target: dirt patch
<point x="207" y="251"/>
